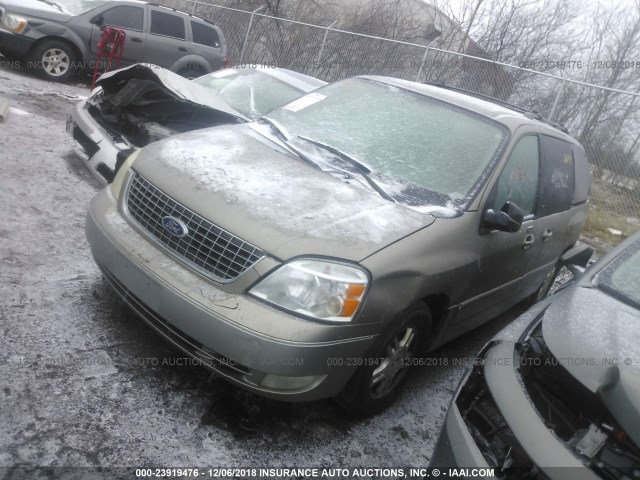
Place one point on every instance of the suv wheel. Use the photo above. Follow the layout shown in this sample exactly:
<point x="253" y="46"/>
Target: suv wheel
<point x="376" y="384"/>
<point x="55" y="60"/>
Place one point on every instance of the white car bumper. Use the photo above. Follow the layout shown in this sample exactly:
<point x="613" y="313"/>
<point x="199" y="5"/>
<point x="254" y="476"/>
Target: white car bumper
<point x="100" y="147"/>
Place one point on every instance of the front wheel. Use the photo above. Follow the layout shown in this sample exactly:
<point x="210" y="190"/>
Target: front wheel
<point x="376" y="384"/>
<point x="55" y="60"/>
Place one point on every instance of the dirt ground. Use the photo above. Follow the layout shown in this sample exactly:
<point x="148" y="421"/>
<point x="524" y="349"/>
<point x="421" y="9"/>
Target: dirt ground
<point x="85" y="383"/>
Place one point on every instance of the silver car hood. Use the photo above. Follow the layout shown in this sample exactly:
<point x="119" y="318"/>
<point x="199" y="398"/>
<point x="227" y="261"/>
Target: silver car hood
<point x="588" y="330"/>
<point x="38" y="9"/>
<point x="250" y="186"/>
<point x="179" y="87"/>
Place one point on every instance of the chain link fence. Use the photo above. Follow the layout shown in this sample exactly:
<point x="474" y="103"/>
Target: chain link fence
<point x="606" y="121"/>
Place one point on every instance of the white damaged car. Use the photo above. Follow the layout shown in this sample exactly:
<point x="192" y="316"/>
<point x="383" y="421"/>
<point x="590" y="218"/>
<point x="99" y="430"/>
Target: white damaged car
<point x="138" y="105"/>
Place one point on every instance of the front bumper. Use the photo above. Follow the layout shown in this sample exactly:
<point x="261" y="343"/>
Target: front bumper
<point x="15" y="45"/>
<point x="101" y="149"/>
<point x="543" y="455"/>
<point x="242" y="339"/>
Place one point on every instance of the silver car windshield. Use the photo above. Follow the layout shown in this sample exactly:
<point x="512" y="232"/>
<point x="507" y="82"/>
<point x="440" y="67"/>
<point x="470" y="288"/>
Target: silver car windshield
<point x="250" y="91"/>
<point x="421" y="151"/>
<point x="622" y="276"/>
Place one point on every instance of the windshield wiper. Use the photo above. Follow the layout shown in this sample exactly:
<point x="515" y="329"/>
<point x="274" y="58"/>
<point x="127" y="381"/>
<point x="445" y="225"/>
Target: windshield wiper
<point x="283" y="138"/>
<point x="361" y="168"/>
<point x="54" y="4"/>
<point x="274" y="128"/>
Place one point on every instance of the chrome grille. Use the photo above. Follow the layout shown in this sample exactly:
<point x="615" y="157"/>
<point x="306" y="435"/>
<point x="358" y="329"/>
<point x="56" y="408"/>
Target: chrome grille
<point x="207" y="248"/>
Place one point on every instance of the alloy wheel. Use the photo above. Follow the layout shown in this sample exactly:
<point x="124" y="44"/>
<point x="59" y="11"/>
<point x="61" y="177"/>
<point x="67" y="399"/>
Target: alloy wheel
<point x="55" y="62"/>
<point x="393" y="366"/>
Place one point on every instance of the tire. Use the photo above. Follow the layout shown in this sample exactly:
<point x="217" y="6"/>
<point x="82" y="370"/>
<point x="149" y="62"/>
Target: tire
<point x="55" y="60"/>
<point x="376" y="384"/>
<point x="544" y="289"/>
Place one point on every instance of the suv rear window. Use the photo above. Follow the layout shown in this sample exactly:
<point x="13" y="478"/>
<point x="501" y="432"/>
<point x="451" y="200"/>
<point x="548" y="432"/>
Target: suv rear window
<point x="167" y="25"/>
<point x="205" y="35"/>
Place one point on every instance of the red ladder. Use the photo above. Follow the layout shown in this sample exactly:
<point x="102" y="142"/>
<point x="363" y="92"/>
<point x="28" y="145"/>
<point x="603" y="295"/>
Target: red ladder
<point x="111" y="43"/>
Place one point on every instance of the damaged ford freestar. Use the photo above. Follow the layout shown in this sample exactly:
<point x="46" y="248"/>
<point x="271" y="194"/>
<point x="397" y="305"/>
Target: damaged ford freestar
<point x="315" y="252"/>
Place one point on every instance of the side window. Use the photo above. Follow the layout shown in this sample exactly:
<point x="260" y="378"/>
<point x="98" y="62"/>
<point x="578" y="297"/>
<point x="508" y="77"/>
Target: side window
<point x="124" y="17"/>
<point x="557" y="176"/>
<point x="205" y="35"/>
<point x="167" y="24"/>
<point x="518" y="181"/>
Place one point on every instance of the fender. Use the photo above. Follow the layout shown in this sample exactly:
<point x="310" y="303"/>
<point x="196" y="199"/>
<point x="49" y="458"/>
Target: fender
<point x="189" y="60"/>
<point x="49" y="29"/>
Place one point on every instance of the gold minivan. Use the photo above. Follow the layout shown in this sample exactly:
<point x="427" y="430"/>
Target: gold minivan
<point x="317" y="251"/>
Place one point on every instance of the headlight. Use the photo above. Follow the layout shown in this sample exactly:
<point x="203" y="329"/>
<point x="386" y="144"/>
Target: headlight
<point x="13" y="23"/>
<point x="320" y="289"/>
<point x="95" y="93"/>
<point x="116" y="186"/>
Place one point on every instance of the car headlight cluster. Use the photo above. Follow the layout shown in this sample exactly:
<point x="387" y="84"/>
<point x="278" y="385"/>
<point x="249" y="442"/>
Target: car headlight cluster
<point x="13" y="23"/>
<point x="96" y="93"/>
<point x="319" y="289"/>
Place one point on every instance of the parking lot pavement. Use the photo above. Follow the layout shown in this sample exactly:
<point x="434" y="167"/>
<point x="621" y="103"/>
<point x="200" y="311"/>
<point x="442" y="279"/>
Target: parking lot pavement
<point x="84" y="383"/>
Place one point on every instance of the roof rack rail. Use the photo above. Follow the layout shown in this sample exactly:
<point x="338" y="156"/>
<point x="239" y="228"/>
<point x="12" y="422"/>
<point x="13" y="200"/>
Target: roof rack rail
<point x="532" y="114"/>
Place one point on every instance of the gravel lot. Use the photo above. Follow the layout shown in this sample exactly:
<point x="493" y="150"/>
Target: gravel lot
<point x="84" y="383"/>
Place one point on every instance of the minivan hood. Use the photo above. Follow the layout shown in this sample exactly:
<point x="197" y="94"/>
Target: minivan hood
<point x="36" y="8"/>
<point x="249" y="185"/>
<point x="597" y="339"/>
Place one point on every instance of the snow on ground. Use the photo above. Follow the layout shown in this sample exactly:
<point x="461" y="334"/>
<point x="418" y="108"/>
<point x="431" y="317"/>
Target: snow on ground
<point x="84" y="383"/>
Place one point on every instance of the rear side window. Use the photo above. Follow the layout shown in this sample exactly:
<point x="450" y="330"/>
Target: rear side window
<point x="557" y="176"/>
<point x="167" y="24"/>
<point x="205" y="35"/>
<point x="130" y="18"/>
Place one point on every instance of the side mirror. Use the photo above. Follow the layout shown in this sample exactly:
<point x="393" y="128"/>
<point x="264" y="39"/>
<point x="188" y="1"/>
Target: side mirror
<point x="507" y="219"/>
<point x="97" y="20"/>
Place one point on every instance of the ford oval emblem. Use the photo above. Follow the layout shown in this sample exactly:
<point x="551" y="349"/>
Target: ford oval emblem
<point x="174" y="227"/>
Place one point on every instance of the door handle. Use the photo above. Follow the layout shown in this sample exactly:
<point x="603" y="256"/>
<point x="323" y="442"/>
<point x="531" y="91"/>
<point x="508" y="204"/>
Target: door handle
<point x="136" y="39"/>
<point x="529" y="240"/>
<point x="182" y="49"/>
<point x="548" y="233"/>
